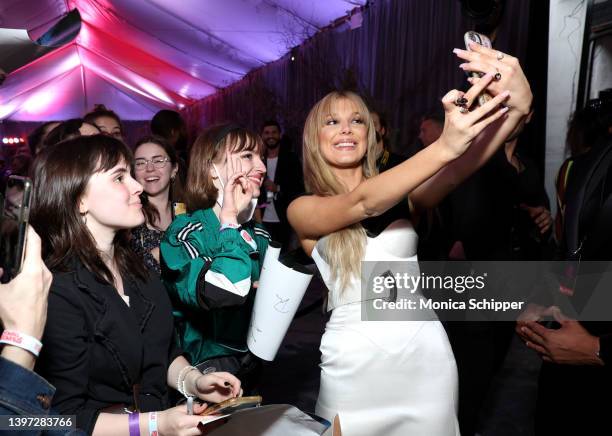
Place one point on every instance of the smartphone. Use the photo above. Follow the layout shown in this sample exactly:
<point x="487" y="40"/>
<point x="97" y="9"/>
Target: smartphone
<point x="483" y="40"/>
<point x="232" y="405"/>
<point x="13" y="225"/>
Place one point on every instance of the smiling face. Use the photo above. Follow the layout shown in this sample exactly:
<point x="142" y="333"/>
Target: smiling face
<point x="112" y="200"/>
<point x="148" y="157"/>
<point x="247" y="161"/>
<point x="343" y="135"/>
<point x="271" y="136"/>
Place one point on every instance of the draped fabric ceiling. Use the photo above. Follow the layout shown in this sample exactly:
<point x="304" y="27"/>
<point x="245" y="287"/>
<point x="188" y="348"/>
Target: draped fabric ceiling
<point x="139" y="56"/>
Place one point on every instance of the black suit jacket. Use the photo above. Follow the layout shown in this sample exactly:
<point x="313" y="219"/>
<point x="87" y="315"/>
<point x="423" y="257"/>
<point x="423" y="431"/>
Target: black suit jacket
<point x="290" y="177"/>
<point x="97" y="348"/>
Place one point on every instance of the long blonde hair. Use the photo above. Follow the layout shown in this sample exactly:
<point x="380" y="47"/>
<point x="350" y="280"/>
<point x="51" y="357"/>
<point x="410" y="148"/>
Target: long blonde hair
<point x="344" y="249"/>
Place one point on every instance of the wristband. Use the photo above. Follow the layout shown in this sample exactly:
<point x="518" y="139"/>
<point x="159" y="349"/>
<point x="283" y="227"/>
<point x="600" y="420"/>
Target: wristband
<point x="229" y="226"/>
<point x="134" y="423"/>
<point x="153" y="424"/>
<point x="21" y="340"/>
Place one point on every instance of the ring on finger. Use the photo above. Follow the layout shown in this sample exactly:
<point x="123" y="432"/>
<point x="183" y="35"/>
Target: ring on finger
<point x="500" y="55"/>
<point x="463" y="109"/>
<point x="497" y="77"/>
<point x="461" y="101"/>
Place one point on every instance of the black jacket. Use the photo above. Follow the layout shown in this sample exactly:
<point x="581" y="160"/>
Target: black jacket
<point x="96" y="348"/>
<point x="486" y="212"/>
<point x="290" y="177"/>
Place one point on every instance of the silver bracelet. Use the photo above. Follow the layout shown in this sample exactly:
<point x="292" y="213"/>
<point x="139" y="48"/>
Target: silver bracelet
<point x="180" y="382"/>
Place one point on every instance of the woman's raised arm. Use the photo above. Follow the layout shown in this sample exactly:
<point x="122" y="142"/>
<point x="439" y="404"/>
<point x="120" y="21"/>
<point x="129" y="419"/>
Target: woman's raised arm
<point x="316" y="216"/>
<point x="481" y="59"/>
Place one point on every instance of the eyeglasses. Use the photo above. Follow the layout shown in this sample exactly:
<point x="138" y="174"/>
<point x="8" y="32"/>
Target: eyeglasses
<point x="158" y="162"/>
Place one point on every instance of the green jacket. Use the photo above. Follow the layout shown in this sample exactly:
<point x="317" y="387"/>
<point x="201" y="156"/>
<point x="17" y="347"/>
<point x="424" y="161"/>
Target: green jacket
<point x="209" y="275"/>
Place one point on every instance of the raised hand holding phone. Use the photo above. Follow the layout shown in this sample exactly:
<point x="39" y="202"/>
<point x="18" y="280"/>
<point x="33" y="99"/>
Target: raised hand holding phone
<point x="13" y="225"/>
<point x="507" y="71"/>
<point x="483" y="40"/>
<point x="23" y="301"/>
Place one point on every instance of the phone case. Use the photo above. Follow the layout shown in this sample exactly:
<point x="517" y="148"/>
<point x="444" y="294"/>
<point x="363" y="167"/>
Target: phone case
<point x="13" y="231"/>
<point x="478" y="38"/>
<point x="483" y="40"/>
<point x="232" y="405"/>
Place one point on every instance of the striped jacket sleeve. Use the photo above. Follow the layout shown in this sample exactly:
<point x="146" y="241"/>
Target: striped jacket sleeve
<point x="204" y="269"/>
<point x="262" y="238"/>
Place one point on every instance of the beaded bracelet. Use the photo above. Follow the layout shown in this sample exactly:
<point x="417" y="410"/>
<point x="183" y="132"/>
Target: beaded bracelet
<point x="180" y="382"/>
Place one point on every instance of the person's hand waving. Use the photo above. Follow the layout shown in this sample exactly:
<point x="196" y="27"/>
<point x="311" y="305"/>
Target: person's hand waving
<point x="237" y="193"/>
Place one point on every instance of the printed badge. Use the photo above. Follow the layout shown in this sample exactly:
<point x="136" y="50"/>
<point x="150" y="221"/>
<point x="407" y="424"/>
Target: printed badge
<point x="248" y="239"/>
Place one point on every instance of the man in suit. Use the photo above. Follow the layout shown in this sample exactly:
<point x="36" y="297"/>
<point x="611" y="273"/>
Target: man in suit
<point x="284" y="182"/>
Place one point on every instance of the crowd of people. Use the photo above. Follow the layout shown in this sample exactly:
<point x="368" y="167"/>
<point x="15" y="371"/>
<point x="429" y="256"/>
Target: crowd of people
<point x="142" y="263"/>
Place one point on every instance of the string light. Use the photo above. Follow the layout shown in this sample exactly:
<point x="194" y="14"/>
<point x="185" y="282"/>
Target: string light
<point x="12" y="140"/>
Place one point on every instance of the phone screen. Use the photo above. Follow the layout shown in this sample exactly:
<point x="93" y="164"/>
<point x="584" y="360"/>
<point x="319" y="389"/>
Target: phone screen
<point x="13" y="225"/>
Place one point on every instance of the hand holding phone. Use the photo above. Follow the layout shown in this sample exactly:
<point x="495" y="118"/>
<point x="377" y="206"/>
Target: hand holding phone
<point x="13" y="226"/>
<point x="483" y="40"/>
<point x="23" y="301"/>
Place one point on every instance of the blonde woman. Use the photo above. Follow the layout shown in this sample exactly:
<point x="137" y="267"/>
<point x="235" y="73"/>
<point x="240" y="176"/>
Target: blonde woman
<point x="395" y="377"/>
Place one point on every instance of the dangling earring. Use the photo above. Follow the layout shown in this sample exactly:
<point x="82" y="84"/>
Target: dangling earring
<point x="84" y="218"/>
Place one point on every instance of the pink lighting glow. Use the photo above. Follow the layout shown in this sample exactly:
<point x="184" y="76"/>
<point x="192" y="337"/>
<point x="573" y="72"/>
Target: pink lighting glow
<point x="140" y="56"/>
<point x="39" y="102"/>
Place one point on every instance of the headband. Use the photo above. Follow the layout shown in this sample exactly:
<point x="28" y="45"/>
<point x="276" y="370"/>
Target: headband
<point x="226" y="131"/>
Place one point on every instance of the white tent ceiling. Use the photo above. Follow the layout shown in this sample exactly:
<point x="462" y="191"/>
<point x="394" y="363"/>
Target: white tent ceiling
<point x="139" y="56"/>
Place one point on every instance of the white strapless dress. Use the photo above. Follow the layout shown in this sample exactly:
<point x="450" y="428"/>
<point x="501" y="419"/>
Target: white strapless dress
<point x="387" y="378"/>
